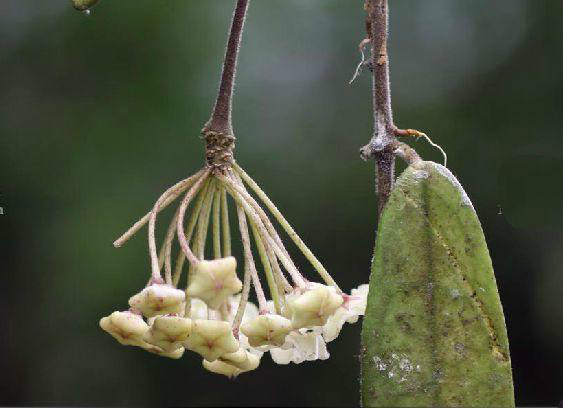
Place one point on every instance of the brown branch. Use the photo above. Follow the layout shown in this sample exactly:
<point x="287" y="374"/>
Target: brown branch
<point x="220" y="121"/>
<point x="383" y="145"/>
<point x="383" y="136"/>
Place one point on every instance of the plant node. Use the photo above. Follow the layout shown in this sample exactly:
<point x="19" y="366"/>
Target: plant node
<point x="218" y="150"/>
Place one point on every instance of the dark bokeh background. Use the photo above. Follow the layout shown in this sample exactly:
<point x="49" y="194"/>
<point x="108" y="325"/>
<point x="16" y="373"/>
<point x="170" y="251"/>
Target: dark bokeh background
<point x="99" y="114"/>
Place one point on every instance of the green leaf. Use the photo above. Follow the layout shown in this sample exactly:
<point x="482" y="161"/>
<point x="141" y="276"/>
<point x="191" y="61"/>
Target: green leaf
<point x="434" y="331"/>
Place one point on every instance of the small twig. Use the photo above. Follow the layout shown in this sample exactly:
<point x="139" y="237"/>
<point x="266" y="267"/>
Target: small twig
<point x="405" y="152"/>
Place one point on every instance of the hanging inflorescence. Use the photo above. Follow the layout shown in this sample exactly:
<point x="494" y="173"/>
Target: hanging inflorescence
<point x="212" y="314"/>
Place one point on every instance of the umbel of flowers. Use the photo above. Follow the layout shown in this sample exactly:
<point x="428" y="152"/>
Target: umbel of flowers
<point x="210" y="313"/>
<point x="206" y="310"/>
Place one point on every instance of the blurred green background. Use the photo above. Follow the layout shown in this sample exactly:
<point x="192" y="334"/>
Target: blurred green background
<point x="100" y="114"/>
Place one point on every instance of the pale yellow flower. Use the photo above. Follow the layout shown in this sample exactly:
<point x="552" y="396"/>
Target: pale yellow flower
<point x="301" y="345"/>
<point x="214" y="281"/>
<point x="220" y="367"/>
<point x="267" y="330"/>
<point x="158" y="299"/>
<point x="174" y="354"/>
<point x="127" y="328"/>
<point x="241" y="359"/>
<point x="168" y="332"/>
<point x="352" y="308"/>
<point x="314" y="307"/>
<point x="211" y="339"/>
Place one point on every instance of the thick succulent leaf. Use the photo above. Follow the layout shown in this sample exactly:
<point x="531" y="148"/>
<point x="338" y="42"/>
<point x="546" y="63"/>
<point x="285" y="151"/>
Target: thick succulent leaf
<point x="434" y="331"/>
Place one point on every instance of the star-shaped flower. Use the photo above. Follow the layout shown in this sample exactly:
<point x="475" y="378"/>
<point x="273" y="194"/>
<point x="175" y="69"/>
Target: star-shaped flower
<point x="314" y="307"/>
<point x="214" y="281"/>
<point x="158" y="299"/>
<point x="211" y="339"/>
<point x="267" y="330"/>
<point x="352" y="308"/>
<point x="356" y="303"/>
<point x="301" y="345"/>
<point x="127" y="328"/>
<point x="168" y="332"/>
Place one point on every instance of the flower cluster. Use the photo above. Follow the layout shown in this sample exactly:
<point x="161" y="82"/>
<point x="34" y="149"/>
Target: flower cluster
<point x="212" y="314"/>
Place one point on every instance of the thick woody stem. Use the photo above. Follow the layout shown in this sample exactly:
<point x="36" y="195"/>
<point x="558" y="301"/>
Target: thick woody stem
<point x="385" y="174"/>
<point x="383" y="115"/>
<point x="384" y="129"/>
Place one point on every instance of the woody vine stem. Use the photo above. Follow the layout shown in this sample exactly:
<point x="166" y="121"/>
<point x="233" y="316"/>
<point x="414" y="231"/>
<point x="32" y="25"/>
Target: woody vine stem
<point x="383" y="145"/>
